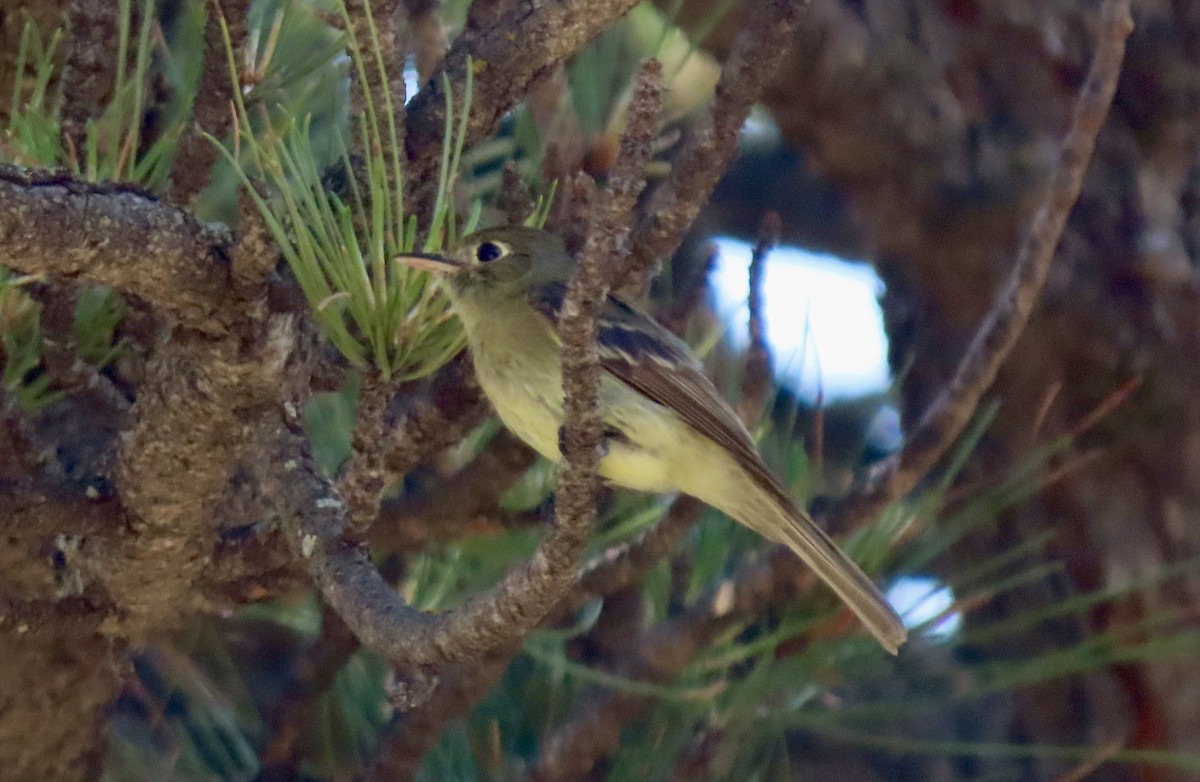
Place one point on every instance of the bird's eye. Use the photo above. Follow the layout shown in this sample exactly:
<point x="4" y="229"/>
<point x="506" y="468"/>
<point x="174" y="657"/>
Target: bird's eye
<point x="491" y="251"/>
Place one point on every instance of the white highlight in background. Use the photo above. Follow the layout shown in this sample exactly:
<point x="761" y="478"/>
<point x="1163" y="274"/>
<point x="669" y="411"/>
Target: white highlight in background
<point x="822" y="314"/>
<point x="920" y="599"/>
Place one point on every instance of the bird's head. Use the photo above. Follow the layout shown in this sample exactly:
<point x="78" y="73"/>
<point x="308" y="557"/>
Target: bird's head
<point x="504" y="261"/>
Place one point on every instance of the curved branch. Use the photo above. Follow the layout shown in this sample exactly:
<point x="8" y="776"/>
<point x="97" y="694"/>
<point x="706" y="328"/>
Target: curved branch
<point x="548" y="33"/>
<point x="949" y="413"/>
<point x="117" y="236"/>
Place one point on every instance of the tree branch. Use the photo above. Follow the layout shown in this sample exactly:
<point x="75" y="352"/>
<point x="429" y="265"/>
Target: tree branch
<point x="758" y="376"/>
<point x="710" y="146"/>
<point x="459" y="687"/>
<point x="362" y="477"/>
<point x="548" y="35"/>
<point x="383" y="14"/>
<point x="191" y="430"/>
<point x="117" y="236"/>
<point x="954" y="405"/>
<point x="456" y="502"/>
<point x="426" y="37"/>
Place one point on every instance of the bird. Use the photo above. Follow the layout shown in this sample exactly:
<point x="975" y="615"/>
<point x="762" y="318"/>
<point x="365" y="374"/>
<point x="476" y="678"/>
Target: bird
<point x="667" y="428"/>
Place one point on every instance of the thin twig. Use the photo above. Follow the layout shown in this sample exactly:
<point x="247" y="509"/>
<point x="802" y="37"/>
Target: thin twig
<point x="515" y="201"/>
<point x="949" y="413"/>
<point x="455" y="503"/>
<point x="572" y="212"/>
<point x="605" y="241"/>
<point x="758" y="375"/>
<point x="710" y="146"/>
<point x="547" y="34"/>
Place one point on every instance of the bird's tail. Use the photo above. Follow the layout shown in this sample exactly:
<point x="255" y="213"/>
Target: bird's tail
<point x="769" y="512"/>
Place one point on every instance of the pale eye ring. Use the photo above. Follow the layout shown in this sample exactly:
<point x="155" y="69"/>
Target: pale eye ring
<point x="486" y="252"/>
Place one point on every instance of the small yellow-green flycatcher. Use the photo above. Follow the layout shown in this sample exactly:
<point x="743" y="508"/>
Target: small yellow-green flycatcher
<point x="668" y="430"/>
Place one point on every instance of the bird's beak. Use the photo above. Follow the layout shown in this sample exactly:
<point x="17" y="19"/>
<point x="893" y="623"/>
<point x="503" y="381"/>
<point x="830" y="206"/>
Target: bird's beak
<point x="438" y="264"/>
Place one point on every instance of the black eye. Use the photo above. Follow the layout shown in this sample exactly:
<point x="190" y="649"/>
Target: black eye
<point x="490" y="251"/>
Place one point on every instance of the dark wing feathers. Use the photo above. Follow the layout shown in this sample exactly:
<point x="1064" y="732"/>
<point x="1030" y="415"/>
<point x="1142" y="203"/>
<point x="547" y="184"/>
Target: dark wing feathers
<point x="652" y="361"/>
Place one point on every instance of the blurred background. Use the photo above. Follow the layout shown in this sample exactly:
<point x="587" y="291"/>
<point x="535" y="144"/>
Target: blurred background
<point x="1049" y="571"/>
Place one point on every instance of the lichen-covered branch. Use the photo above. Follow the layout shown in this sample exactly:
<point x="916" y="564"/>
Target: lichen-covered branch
<point x="192" y="427"/>
<point x="117" y="236"/>
<point x="609" y="227"/>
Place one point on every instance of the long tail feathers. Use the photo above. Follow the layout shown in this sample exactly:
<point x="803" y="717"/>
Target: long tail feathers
<point x="801" y="534"/>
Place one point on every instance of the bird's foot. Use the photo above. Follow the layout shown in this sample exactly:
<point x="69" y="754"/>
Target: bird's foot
<point x="611" y="435"/>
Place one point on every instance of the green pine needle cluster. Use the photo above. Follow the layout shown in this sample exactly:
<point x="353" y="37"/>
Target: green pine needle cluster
<point x="22" y="339"/>
<point x="342" y="247"/>
<point x="98" y="313"/>
<point x="114" y="149"/>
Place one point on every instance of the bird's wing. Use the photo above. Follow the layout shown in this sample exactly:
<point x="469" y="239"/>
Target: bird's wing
<point x="649" y="359"/>
<point x="652" y="361"/>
